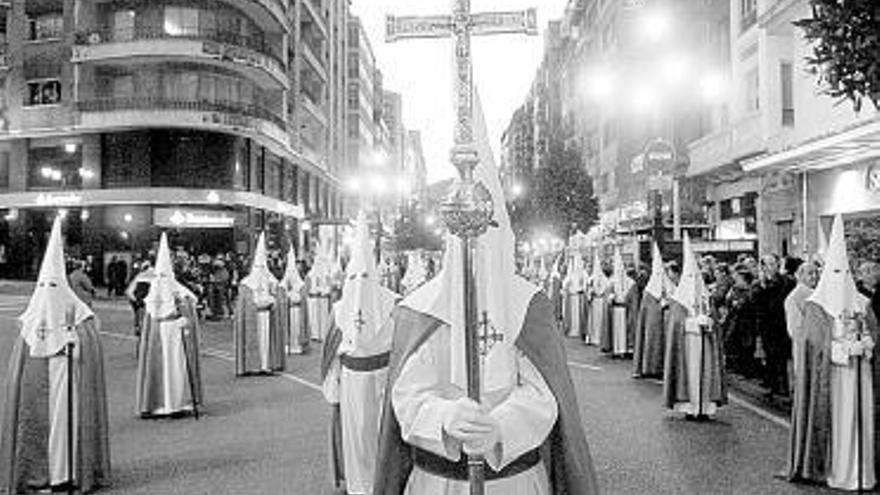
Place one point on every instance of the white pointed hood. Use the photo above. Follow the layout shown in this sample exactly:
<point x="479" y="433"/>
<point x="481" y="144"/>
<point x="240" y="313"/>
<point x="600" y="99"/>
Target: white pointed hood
<point x="416" y="272"/>
<point x="164" y="288"/>
<point x="501" y="293"/>
<point x="292" y="281"/>
<point x="575" y="278"/>
<point x="260" y="280"/>
<point x="365" y="304"/>
<point x="836" y="291"/>
<point x="691" y="291"/>
<point x="322" y="270"/>
<point x="53" y="305"/>
<point x="621" y="281"/>
<point x="556" y="272"/>
<point x="598" y="279"/>
<point x="659" y="284"/>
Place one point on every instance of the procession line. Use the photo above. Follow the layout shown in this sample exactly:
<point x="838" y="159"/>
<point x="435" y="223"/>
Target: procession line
<point x="225" y="356"/>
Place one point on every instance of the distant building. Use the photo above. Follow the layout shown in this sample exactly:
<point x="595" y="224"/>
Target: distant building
<point x="210" y="121"/>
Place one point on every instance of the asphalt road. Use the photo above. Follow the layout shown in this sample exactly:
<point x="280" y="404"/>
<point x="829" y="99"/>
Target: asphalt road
<point x="268" y="435"/>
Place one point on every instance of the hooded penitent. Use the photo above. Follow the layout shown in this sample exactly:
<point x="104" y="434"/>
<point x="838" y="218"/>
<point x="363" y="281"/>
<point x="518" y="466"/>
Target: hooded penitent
<point x="692" y="363"/>
<point x="621" y="282"/>
<point x="416" y="272"/>
<point x="650" y="338"/>
<point x="34" y="432"/>
<point x="827" y="423"/>
<point x="523" y="320"/>
<point x="659" y="285"/>
<point x="164" y="289"/>
<point x="501" y="293"/>
<point x="53" y="306"/>
<point x="260" y="280"/>
<point x="292" y="281"/>
<point x="365" y="305"/>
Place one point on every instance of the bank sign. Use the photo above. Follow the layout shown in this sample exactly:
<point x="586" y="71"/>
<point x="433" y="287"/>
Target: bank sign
<point x="181" y="218"/>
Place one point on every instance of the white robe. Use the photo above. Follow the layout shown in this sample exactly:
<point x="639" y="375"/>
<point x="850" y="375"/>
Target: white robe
<point x="697" y="358"/>
<point x="598" y="318"/>
<point x="295" y="322"/>
<point x="575" y="308"/>
<point x="514" y="390"/>
<point x="58" y="429"/>
<point x="618" y="328"/>
<point x="263" y="318"/>
<point x="319" y="316"/>
<point x="844" y="473"/>
<point x="173" y="368"/>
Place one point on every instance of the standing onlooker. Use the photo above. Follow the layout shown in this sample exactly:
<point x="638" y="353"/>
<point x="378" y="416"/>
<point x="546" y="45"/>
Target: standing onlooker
<point x="869" y="278"/>
<point x="81" y="283"/>
<point x="770" y="299"/>
<point x="121" y="276"/>
<point x="739" y="323"/>
<point x="111" y="275"/>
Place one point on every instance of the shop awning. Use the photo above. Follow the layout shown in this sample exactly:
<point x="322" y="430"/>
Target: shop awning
<point x="155" y="196"/>
<point x="858" y="142"/>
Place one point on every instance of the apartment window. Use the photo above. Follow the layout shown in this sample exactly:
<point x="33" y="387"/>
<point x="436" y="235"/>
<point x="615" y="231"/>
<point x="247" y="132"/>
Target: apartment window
<point x="748" y="13"/>
<point x="785" y="81"/>
<point x="123" y="25"/>
<point x="354" y="128"/>
<point x="354" y="66"/>
<point x="752" y="98"/>
<point x="181" y="21"/>
<point x="353" y="97"/>
<point x="44" y="92"/>
<point x="123" y="86"/>
<point x="46" y="26"/>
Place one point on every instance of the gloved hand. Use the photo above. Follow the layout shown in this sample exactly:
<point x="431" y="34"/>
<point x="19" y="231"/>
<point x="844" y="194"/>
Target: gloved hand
<point x="467" y="422"/>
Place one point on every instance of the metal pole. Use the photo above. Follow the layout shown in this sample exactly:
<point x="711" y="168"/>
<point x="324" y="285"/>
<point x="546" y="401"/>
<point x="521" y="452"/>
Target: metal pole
<point x="475" y="462"/>
<point x="859" y="426"/>
<point x="71" y="322"/>
<point x="190" y="375"/>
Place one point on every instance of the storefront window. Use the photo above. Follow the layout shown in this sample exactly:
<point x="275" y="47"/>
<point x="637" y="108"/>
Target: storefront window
<point x="54" y="167"/>
<point x="181" y="21"/>
<point x="46" y="26"/>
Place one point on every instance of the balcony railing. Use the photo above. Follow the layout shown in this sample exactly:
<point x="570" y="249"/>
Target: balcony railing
<point x="122" y="35"/>
<point x="113" y="103"/>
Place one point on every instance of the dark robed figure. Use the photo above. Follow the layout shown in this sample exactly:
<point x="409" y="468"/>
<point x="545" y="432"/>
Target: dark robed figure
<point x="35" y="430"/>
<point x="169" y="379"/>
<point x="650" y="339"/>
<point x="261" y="319"/>
<point x="527" y="426"/>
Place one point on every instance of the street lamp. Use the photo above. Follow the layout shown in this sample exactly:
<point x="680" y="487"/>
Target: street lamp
<point x="654" y="25"/>
<point x="516" y="189"/>
<point x="712" y="86"/>
<point x="599" y="83"/>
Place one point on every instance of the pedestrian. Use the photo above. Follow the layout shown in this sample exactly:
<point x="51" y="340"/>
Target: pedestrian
<point x="296" y="291"/>
<point x="137" y="291"/>
<point x="260" y="323"/>
<point x="58" y="335"/>
<point x="839" y="331"/>
<point x="355" y="366"/>
<point x="81" y="284"/>
<point x="807" y="277"/>
<point x="169" y="373"/>
<point x="770" y="317"/>
<point x="112" y="270"/>
<point x="120" y="277"/>
<point x="868" y="283"/>
<point x="693" y="376"/>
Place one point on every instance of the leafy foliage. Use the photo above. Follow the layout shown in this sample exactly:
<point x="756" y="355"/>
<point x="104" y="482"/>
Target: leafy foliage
<point x="846" y="50"/>
<point x="560" y="199"/>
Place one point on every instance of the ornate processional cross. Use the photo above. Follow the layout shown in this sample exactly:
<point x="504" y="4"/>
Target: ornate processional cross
<point x="461" y="25"/>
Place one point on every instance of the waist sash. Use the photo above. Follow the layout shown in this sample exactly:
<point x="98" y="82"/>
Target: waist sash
<point x="365" y="364"/>
<point x="444" y="468"/>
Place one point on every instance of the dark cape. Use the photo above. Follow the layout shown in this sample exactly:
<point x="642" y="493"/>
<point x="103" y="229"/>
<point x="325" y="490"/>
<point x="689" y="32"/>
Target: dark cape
<point x="246" y="337"/>
<point x="149" y="373"/>
<point x="24" y="435"/>
<point x="675" y="376"/>
<point x="810" y="434"/>
<point x="565" y="452"/>
<point x="650" y="338"/>
<point x="328" y="355"/>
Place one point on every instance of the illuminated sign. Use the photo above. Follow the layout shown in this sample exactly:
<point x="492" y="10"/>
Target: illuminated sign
<point x="872" y="180"/>
<point x="190" y="218"/>
<point x="64" y="199"/>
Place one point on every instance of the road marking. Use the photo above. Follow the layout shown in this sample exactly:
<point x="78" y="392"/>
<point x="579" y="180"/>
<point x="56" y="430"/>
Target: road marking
<point x="226" y="356"/>
<point x="590" y="367"/>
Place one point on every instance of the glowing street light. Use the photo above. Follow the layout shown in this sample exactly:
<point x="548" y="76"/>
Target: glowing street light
<point x="655" y="25"/>
<point x="516" y="189"/>
<point x="128" y="218"/>
<point x="430" y="220"/>
<point x="643" y="99"/>
<point x="674" y="68"/>
<point x="377" y="184"/>
<point x="712" y="86"/>
<point x="599" y="83"/>
<point x="353" y="184"/>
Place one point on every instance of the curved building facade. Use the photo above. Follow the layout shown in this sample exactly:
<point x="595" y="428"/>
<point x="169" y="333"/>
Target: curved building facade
<point x="201" y="118"/>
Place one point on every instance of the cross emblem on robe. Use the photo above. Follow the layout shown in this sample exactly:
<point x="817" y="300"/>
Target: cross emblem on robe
<point x="42" y="330"/>
<point x="359" y="321"/>
<point x="489" y="336"/>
